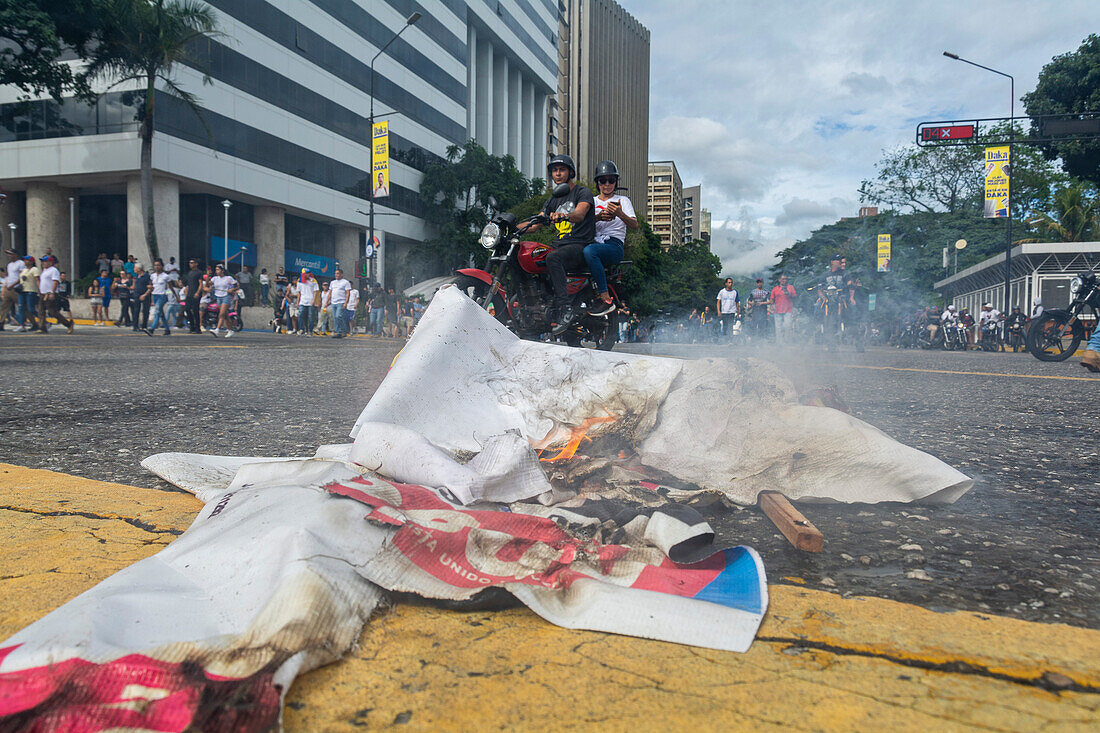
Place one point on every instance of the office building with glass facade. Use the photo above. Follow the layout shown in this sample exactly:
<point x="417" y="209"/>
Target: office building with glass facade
<point x="284" y="135"/>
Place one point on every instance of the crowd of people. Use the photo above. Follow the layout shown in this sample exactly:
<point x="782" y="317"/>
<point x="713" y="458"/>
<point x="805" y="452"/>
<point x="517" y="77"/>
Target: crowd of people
<point x="34" y="291"/>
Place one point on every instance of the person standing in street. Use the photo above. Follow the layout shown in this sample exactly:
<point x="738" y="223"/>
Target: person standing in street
<point x="339" y="290"/>
<point x="307" y="289"/>
<point x="159" y="281"/>
<point x="265" y="286"/>
<point x="123" y="288"/>
<point x="49" y="302"/>
<point x="140" y="298"/>
<point x="728" y="305"/>
<point x="28" y="294"/>
<point x="116" y="263"/>
<point x="282" y="281"/>
<point x="325" y="326"/>
<point x="759" y="299"/>
<point x="222" y="289"/>
<point x="9" y="298"/>
<point x="244" y="279"/>
<point x="349" y="310"/>
<point x="172" y="268"/>
<point x="783" y="296"/>
<point x="194" y="293"/>
<point x="104" y="280"/>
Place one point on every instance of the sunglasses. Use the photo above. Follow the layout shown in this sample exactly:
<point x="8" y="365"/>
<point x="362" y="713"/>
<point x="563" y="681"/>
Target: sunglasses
<point x="604" y="181"/>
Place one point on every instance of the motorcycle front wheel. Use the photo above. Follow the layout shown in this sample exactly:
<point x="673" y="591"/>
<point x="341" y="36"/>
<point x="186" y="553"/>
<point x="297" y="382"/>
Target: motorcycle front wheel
<point x="477" y="290"/>
<point x="1050" y="339"/>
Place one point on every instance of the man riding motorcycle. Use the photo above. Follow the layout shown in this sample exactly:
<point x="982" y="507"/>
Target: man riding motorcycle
<point x="576" y="229"/>
<point x="832" y="303"/>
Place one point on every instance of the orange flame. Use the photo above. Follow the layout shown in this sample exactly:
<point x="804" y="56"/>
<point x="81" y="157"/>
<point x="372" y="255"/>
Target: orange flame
<point x="576" y="436"/>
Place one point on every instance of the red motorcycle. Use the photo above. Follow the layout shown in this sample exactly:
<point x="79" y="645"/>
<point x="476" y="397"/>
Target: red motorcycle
<point x="519" y="293"/>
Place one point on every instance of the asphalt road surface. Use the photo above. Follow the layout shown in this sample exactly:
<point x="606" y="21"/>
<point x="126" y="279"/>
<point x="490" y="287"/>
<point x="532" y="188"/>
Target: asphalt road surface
<point x="1022" y="542"/>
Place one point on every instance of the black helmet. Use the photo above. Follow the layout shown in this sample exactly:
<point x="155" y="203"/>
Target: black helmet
<point x="562" y="160"/>
<point x="606" y="169"/>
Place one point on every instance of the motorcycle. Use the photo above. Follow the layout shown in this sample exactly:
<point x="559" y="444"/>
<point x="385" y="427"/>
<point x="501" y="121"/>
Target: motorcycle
<point x="1016" y="336"/>
<point x="991" y="339"/>
<point x="1056" y="334"/>
<point x="954" y="336"/>
<point x="519" y="293"/>
<point x="210" y="317"/>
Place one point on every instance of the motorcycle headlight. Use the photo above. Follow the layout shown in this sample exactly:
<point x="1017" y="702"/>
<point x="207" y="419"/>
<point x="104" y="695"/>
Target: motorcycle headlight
<point x="490" y="235"/>
<point x="1075" y="285"/>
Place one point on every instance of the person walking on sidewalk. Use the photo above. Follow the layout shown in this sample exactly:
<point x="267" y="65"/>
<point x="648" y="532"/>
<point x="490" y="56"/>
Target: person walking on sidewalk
<point x="49" y="302"/>
<point x="9" y="298"/>
<point x="339" y="290"/>
<point x="159" y="281"/>
<point x="140" y="298"/>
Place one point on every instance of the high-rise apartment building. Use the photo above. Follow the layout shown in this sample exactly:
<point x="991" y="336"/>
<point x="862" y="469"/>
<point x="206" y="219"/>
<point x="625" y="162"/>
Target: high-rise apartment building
<point x="704" y="225"/>
<point x="665" y="209"/>
<point x="692" y="213"/>
<point x="288" y="145"/>
<point x="601" y="111"/>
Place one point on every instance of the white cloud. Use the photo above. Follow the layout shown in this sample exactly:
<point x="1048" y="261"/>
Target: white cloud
<point x="787" y="106"/>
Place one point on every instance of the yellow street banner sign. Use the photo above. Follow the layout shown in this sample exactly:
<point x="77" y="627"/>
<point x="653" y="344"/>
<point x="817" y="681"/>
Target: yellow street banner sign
<point x="997" y="172"/>
<point x="884" y="253"/>
<point x="380" y="159"/>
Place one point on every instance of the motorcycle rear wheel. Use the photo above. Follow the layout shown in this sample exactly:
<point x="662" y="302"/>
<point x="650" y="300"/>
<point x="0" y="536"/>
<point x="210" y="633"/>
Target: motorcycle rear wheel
<point x="610" y="335"/>
<point x="1044" y="342"/>
<point x="477" y="290"/>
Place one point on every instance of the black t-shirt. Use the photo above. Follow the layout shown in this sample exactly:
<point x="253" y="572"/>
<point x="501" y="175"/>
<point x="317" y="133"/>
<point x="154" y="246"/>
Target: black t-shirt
<point x="194" y="284"/>
<point x="836" y="279"/>
<point x="141" y="285"/>
<point x="568" y="232"/>
<point x="859" y="294"/>
<point x="122" y="289"/>
<point x="281" y="278"/>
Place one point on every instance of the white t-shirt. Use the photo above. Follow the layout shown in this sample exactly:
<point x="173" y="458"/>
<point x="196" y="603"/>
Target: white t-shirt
<point x="171" y="267"/>
<point x="949" y="316"/>
<point x="160" y="281"/>
<point x="47" y="279"/>
<point x="14" y="268"/>
<point x="264" y="279"/>
<point x="616" y="227"/>
<point x="305" y="293"/>
<point x="222" y="285"/>
<point x="339" y="289"/>
<point x="727" y="301"/>
<point x="353" y="299"/>
<point x="991" y="315"/>
<point x="326" y="298"/>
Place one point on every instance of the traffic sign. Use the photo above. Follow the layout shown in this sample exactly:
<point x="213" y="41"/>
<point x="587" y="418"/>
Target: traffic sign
<point x="947" y="132"/>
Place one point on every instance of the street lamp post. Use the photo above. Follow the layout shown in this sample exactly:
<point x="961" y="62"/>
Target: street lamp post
<point x="12" y="226"/>
<point x="370" y="122"/>
<point x="960" y="244"/>
<point x="225" y="253"/>
<point x="72" y="240"/>
<point x="1011" y="163"/>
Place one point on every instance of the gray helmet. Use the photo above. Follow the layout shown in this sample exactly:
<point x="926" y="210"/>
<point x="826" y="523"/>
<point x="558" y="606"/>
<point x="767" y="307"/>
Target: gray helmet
<point x="606" y="168"/>
<point x="562" y="160"/>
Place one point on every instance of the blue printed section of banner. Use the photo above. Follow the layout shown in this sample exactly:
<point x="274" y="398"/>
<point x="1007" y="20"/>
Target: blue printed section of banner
<point x="741" y="584"/>
<point x="319" y="265"/>
<point x="219" y="252"/>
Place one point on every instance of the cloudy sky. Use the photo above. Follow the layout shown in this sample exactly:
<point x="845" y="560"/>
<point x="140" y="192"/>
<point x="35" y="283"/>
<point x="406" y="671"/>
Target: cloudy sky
<point x="779" y="109"/>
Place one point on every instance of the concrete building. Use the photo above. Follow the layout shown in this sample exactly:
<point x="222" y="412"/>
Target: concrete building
<point x="288" y="142"/>
<point x="665" y="208"/>
<point x="601" y="111"/>
<point x="704" y="225"/>
<point x="692" y="215"/>
<point x="1039" y="270"/>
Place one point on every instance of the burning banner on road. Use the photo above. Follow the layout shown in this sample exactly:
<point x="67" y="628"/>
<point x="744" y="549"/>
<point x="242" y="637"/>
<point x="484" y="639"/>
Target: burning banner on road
<point x="481" y="461"/>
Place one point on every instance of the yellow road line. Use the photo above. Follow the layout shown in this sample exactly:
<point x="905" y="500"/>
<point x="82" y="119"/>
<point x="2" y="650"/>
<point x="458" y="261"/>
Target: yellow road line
<point x="978" y="374"/>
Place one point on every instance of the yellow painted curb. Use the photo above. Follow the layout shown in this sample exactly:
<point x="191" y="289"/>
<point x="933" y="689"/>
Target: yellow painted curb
<point x="820" y="662"/>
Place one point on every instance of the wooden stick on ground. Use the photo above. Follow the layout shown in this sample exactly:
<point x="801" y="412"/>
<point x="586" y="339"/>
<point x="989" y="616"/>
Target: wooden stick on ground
<point x="795" y="527"/>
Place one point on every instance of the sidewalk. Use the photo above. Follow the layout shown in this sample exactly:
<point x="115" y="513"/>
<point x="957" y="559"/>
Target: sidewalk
<point x="820" y="662"/>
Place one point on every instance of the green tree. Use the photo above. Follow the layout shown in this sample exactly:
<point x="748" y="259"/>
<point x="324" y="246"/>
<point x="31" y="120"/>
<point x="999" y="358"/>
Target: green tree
<point x="1075" y="216"/>
<point x="1071" y="83"/>
<point x="949" y="178"/>
<point x="143" y="40"/>
<point x="462" y="194"/>
<point x="34" y="35"/>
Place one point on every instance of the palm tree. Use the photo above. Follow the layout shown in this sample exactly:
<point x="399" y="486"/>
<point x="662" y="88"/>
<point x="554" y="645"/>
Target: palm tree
<point x="144" y="40"/>
<point x="1075" y="216"/>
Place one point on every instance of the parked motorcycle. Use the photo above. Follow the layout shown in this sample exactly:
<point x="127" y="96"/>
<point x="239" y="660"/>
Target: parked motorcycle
<point x="1056" y="334"/>
<point x="955" y="337"/>
<point x="519" y="293"/>
<point x="210" y="318"/>
<point x="930" y="336"/>
<point x="1016" y="336"/>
